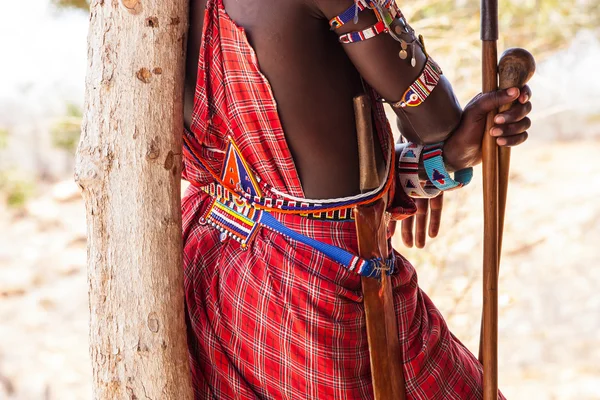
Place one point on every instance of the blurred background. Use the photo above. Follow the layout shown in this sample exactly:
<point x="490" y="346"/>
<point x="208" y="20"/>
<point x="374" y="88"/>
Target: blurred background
<point x="549" y="305"/>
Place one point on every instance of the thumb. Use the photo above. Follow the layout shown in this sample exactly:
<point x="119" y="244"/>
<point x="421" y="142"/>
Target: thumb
<point x="488" y="102"/>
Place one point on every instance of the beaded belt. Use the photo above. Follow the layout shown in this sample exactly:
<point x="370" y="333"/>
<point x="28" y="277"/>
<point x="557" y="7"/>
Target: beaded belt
<point x="236" y="181"/>
<point x="240" y="221"/>
<point x="302" y="208"/>
<point x="240" y="208"/>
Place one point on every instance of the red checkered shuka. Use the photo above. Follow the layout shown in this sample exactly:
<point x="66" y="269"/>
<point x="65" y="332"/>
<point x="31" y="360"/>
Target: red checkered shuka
<point x="280" y="320"/>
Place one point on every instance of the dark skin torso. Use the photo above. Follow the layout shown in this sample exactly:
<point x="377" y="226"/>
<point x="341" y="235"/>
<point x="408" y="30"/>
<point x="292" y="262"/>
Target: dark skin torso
<point x="313" y="82"/>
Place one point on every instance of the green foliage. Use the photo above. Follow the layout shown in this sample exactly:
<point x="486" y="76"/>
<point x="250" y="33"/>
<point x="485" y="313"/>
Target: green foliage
<point x="3" y="139"/>
<point x="15" y="189"/>
<point x="65" y="132"/>
<point x="74" y="4"/>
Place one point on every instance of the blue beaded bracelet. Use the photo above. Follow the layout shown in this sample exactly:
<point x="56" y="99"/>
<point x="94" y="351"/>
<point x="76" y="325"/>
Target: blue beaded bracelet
<point x="436" y="170"/>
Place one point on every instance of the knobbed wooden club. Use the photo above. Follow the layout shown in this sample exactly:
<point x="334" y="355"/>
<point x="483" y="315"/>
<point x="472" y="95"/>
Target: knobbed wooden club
<point x="516" y="67"/>
<point x="371" y="227"/>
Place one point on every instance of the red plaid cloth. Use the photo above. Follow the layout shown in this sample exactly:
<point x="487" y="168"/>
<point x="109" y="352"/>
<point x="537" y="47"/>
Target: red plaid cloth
<point x="280" y="320"/>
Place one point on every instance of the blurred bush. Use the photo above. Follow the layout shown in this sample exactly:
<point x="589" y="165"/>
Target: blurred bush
<point x="66" y="131"/>
<point x="78" y="4"/>
<point x="3" y="139"/>
<point x="15" y="189"/>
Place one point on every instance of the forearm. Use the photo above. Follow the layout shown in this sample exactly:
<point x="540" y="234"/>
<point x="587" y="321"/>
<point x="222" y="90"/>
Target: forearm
<point x="398" y="67"/>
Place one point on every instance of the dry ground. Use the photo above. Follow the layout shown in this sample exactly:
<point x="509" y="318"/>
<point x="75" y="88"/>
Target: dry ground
<point x="549" y="308"/>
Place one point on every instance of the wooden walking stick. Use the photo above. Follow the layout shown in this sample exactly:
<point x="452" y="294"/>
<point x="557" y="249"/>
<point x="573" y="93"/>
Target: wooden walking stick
<point x="489" y="349"/>
<point x="515" y="68"/>
<point x="494" y="203"/>
<point x="382" y="328"/>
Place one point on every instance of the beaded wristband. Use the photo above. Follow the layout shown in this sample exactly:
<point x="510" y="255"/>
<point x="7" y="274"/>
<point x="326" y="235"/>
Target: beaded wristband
<point x="408" y="168"/>
<point x="436" y="170"/>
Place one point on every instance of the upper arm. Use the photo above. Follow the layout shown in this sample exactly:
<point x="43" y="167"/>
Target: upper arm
<point x="377" y="59"/>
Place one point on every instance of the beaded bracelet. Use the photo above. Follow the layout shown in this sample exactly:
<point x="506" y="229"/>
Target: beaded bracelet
<point x="433" y="162"/>
<point x="408" y="167"/>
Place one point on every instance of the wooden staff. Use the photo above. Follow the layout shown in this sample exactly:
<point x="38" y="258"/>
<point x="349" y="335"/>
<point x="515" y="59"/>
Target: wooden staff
<point x="494" y="198"/>
<point x="382" y="329"/>
<point x="515" y="68"/>
<point x="489" y="350"/>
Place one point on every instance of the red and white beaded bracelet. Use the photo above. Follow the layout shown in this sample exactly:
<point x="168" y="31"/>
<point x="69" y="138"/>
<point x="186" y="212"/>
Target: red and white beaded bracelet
<point x="408" y="171"/>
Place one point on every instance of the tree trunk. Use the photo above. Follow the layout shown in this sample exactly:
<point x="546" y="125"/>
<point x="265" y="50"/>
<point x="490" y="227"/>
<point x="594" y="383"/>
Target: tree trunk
<point x="129" y="167"/>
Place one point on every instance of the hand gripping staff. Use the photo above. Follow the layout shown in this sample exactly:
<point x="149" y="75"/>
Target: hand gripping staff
<point x="516" y="68"/>
<point x="371" y="227"/>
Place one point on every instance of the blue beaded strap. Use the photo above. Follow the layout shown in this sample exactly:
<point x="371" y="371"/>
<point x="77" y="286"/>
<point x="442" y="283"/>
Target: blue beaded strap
<point x="240" y="221"/>
<point x="350" y="14"/>
<point x="371" y="268"/>
<point x="436" y="170"/>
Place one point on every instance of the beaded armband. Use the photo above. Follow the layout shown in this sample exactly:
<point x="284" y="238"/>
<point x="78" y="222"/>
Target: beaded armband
<point x="408" y="170"/>
<point x="433" y="162"/>
<point x="351" y="14"/>
<point x="422" y="87"/>
<point x="365" y="34"/>
<point x="386" y="12"/>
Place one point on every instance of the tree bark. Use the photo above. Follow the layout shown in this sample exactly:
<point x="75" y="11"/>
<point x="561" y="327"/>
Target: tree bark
<point x="129" y="167"/>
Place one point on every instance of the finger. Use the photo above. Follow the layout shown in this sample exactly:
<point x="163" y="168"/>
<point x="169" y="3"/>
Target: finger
<point x="511" y="141"/>
<point x="435" y="215"/>
<point x="421" y="222"/>
<point x="407" y="231"/>
<point x="488" y="102"/>
<point x="516" y="113"/>
<point x="511" y="129"/>
<point x="525" y="94"/>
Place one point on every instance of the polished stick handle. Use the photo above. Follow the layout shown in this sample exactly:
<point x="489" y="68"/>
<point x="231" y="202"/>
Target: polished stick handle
<point x="515" y="69"/>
